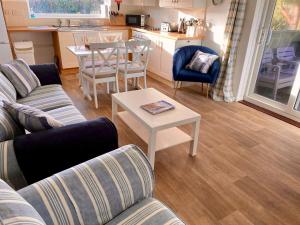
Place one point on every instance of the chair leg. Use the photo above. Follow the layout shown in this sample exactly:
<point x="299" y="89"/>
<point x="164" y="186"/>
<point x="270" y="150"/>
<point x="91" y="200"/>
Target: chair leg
<point x="207" y="90"/>
<point x="176" y="87"/>
<point x="117" y="85"/>
<point x="145" y="82"/>
<point x="95" y="95"/>
<point x="202" y="87"/>
<point x="126" y="84"/>
<point x="107" y="87"/>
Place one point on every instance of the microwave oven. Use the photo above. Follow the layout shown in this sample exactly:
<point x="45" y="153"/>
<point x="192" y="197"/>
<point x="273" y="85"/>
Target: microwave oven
<point x="136" y="20"/>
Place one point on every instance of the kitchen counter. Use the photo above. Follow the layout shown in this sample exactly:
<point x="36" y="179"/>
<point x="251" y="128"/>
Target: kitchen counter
<point x="64" y="29"/>
<point x="171" y="35"/>
<point x="32" y="29"/>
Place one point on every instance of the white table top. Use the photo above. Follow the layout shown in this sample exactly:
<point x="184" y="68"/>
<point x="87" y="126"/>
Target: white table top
<point x="83" y="51"/>
<point x="133" y="100"/>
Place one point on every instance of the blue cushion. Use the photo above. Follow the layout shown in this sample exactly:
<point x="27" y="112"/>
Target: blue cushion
<point x="194" y="76"/>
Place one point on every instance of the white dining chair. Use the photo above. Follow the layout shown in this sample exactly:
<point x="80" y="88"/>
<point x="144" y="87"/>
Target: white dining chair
<point x="106" y="72"/>
<point x="81" y="39"/>
<point x="110" y="36"/>
<point x="137" y="67"/>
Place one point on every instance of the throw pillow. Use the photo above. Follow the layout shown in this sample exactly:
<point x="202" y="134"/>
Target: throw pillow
<point x="202" y="61"/>
<point x="21" y="76"/>
<point x="30" y="118"/>
<point x="7" y="90"/>
<point x="8" y="127"/>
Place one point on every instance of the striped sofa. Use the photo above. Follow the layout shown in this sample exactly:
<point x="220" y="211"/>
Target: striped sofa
<point x="114" y="189"/>
<point x="29" y="158"/>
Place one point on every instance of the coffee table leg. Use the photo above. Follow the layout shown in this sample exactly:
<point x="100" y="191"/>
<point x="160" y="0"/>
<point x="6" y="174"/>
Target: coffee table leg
<point x="114" y="110"/>
<point x="195" y="136"/>
<point x="151" y="148"/>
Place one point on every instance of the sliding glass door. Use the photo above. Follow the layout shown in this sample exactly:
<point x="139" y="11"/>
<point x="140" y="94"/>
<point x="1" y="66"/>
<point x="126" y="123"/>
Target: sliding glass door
<point x="275" y="83"/>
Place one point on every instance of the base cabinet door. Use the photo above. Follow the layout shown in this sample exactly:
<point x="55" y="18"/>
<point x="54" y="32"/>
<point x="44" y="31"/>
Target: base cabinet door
<point x="167" y="52"/>
<point x="68" y="59"/>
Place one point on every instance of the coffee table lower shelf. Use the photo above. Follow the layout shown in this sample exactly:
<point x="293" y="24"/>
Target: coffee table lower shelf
<point x="165" y="138"/>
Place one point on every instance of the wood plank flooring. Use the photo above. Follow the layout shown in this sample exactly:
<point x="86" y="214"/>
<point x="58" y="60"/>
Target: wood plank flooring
<point x="247" y="171"/>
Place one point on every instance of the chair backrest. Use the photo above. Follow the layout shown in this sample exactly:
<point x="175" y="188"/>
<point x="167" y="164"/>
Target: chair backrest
<point x="268" y="56"/>
<point x="79" y="39"/>
<point x="286" y="53"/>
<point x="92" y="37"/>
<point x="108" y="53"/>
<point x="111" y="37"/>
<point x="140" y="52"/>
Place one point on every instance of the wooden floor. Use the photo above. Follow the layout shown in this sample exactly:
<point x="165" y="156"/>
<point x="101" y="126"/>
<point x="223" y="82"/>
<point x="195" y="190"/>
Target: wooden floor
<point x="247" y="170"/>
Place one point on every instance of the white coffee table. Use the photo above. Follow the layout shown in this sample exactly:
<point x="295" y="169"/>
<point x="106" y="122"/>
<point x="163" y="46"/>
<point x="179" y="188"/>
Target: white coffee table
<point x="158" y="131"/>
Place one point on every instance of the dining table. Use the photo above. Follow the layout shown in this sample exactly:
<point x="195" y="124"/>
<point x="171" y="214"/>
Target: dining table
<point x="83" y="52"/>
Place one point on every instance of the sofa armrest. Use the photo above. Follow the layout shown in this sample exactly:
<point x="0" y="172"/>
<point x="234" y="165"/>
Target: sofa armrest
<point x="96" y="191"/>
<point x="45" y="153"/>
<point x="47" y="73"/>
<point x="215" y="71"/>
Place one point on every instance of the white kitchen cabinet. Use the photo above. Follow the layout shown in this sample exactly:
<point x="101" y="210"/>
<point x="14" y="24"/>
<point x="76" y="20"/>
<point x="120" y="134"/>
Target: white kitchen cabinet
<point x="182" y="3"/>
<point x="140" y="2"/>
<point x="163" y="49"/>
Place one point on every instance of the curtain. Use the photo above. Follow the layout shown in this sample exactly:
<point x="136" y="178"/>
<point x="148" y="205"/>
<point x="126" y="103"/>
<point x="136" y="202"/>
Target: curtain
<point x="222" y="91"/>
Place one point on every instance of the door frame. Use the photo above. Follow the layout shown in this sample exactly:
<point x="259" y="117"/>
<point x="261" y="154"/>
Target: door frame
<point x="257" y="39"/>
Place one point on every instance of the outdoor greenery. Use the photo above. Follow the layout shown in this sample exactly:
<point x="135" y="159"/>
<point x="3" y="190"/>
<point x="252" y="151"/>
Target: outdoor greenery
<point x="66" y="6"/>
<point x="286" y="15"/>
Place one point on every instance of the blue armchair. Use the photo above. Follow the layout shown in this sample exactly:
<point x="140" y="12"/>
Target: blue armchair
<point x="183" y="56"/>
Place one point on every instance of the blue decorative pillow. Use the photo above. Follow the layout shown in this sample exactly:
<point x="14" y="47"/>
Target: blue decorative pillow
<point x="30" y="118"/>
<point x="21" y="76"/>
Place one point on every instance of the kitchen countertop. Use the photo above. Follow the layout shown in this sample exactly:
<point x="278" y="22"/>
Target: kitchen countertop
<point x="32" y="29"/>
<point x="63" y="29"/>
<point x="171" y="35"/>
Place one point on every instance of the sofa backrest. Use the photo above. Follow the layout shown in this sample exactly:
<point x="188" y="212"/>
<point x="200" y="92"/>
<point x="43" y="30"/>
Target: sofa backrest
<point x="15" y="210"/>
<point x="93" y="192"/>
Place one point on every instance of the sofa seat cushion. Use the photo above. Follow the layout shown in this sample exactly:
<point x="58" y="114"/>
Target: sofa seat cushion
<point x="67" y="115"/>
<point x="194" y="76"/>
<point x="147" y="212"/>
<point x="47" y="98"/>
<point x="15" y="210"/>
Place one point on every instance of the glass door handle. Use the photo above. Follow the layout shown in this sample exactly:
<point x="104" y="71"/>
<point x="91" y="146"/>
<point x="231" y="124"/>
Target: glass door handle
<point x="261" y="36"/>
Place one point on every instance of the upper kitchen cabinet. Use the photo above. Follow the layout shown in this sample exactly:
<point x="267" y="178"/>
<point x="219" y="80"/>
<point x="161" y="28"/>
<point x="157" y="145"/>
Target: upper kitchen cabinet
<point x="185" y="4"/>
<point x="140" y="2"/>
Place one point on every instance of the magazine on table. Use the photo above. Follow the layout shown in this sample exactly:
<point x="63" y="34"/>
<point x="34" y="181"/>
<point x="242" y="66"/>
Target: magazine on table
<point x="158" y="107"/>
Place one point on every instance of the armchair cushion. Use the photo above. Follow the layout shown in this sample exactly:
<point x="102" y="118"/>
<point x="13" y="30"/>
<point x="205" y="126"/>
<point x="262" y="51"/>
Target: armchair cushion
<point x="96" y="191"/>
<point x="21" y="76"/>
<point x="32" y="119"/>
<point x="45" y="153"/>
<point x="201" y="61"/>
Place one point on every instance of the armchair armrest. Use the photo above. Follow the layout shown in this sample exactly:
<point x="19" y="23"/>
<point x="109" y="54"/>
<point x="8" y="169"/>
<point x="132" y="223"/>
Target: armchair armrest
<point x="45" y="153"/>
<point x="93" y="192"/>
<point x="47" y="73"/>
<point x="178" y="63"/>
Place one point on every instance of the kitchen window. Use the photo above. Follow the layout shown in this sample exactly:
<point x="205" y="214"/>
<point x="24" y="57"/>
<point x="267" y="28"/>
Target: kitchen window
<point x="69" y="8"/>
